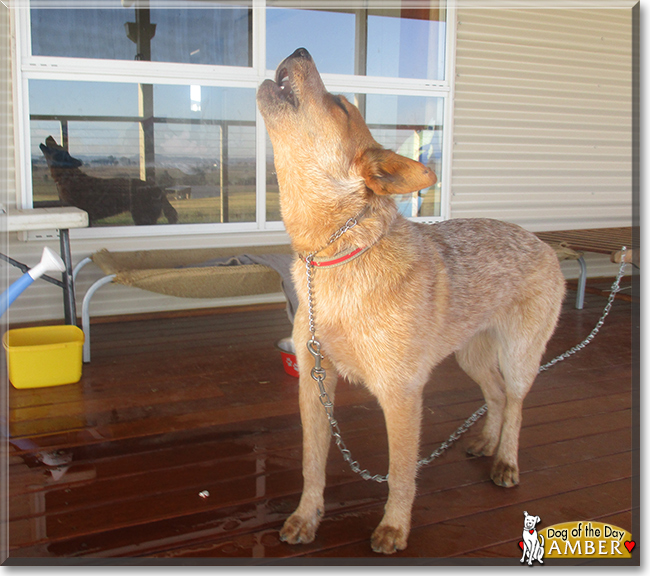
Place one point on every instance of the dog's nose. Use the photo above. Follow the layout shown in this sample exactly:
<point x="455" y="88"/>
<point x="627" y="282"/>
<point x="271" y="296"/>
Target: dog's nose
<point x="301" y="53"/>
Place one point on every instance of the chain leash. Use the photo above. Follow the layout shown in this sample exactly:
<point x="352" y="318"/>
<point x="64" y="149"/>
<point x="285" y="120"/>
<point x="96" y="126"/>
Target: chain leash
<point x="318" y="373"/>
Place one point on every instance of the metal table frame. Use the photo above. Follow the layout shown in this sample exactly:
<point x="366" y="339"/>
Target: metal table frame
<point x="61" y="219"/>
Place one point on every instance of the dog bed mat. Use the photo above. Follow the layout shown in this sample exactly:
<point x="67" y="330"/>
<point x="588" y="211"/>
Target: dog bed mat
<point x="204" y="272"/>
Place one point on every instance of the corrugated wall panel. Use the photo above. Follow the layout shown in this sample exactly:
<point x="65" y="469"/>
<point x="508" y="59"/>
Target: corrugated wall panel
<point x="6" y="109"/>
<point x="542" y="117"/>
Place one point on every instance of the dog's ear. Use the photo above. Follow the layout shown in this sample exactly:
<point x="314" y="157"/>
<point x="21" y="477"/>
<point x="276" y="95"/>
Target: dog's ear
<point x="386" y="172"/>
<point x="50" y="142"/>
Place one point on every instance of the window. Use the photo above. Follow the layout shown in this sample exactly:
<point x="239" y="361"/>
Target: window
<point x="389" y="42"/>
<point x="201" y="141"/>
<point x="154" y="106"/>
<point x="201" y="33"/>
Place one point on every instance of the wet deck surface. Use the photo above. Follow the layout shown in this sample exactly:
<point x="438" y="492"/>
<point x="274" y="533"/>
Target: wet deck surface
<point x="183" y="440"/>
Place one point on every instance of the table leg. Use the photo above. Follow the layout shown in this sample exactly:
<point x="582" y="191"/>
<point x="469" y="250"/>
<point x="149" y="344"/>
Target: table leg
<point x="582" y="284"/>
<point x="69" y="304"/>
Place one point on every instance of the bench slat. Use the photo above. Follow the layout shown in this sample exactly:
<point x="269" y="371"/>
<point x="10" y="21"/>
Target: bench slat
<point x="599" y="240"/>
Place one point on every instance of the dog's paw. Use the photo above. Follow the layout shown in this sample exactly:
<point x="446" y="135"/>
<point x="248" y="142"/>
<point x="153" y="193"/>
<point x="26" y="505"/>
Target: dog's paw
<point x="299" y="530"/>
<point x="388" y="539"/>
<point x="481" y="447"/>
<point x="505" y="475"/>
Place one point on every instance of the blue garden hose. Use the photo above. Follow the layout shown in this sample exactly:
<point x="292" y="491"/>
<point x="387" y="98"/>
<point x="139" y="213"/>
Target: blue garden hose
<point x="50" y="262"/>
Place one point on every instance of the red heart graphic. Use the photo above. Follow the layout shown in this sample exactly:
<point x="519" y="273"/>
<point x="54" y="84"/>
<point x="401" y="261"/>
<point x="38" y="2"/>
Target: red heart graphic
<point x="531" y="531"/>
<point x="630" y="545"/>
<point x="521" y="545"/>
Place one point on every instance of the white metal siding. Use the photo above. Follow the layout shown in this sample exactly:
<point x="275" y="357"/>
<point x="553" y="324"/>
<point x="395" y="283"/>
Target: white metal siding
<point x="7" y="175"/>
<point x="542" y="118"/>
<point x="6" y="111"/>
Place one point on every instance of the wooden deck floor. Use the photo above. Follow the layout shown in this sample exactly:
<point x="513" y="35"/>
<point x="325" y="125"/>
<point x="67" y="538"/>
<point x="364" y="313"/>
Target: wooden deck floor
<point x="169" y="409"/>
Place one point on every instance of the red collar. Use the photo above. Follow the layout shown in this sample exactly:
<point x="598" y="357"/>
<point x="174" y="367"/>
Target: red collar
<point x="340" y="258"/>
<point x="344" y="256"/>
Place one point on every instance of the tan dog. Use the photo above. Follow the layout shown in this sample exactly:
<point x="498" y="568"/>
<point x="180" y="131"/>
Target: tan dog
<point x="488" y="291"/>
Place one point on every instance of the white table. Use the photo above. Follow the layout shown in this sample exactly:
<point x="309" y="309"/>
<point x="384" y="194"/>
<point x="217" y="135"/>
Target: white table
<point x="59" y="218"/>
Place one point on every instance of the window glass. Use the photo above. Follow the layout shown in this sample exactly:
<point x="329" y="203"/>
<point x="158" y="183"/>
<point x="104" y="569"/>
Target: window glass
<point x="406" y="44"/>
<point x="272" y="187"/>
<point x="389" y="42"/>
<point x="329" y="37"/>
<point x="190" y="33"/>
<point x="188" y="157"/>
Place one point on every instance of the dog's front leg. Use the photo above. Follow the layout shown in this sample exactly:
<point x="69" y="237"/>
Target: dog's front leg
<point x="525" y="549"/>
<point x="403" y="413"/>
<point x="301" y="526"/>
<point x="531" y="553"/>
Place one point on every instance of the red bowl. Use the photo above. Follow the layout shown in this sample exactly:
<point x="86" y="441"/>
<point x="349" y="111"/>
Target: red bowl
<point x="287" y="353"/>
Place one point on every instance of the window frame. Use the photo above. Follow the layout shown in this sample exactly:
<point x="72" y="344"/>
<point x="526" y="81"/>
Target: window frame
<point x="99" y="70"/>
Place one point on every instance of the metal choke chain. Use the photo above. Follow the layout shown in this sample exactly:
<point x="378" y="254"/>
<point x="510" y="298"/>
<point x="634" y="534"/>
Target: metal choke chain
<point x="318" y="372"/>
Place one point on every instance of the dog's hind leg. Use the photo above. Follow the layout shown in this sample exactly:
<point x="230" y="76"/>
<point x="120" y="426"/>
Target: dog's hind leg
<point x="301" y="526"/>
<point x="479" y="359"/>
<point x="523" y="335"/>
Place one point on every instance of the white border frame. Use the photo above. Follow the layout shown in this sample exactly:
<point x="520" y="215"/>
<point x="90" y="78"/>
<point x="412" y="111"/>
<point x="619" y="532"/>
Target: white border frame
<point x="96" y="70"/>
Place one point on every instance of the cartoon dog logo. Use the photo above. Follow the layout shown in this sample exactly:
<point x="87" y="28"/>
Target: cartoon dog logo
<point x="533" y="544"/>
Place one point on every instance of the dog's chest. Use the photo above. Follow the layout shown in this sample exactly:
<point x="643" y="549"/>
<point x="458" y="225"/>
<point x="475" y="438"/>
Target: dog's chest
<point x="342" y="342"/>
<point x="358" y="332"/>
<point x="349" y="363"/>
<point x="363" y="317"/>
<point x="343" y="325"/>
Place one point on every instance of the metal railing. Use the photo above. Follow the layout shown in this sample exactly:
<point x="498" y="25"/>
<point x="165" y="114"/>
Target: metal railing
<point x="147" y="158"/>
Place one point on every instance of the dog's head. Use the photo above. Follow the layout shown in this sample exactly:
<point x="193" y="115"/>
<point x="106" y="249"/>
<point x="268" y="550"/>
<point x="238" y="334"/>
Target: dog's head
<point x="320" y="139"/>
<point x="530" y="521"/>
<point x="56" y="156"/>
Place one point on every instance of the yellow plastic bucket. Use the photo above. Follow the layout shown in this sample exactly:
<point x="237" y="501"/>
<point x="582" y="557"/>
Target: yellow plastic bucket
<point x="44" y="355"/>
